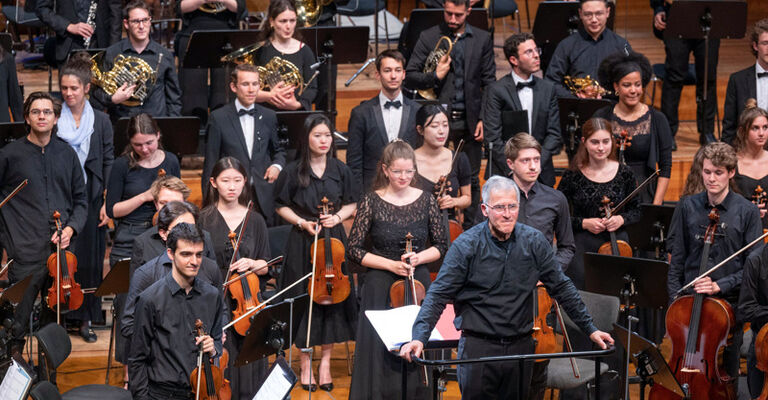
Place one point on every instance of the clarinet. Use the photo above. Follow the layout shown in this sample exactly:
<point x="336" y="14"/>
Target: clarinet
<point x="91" y="20"/>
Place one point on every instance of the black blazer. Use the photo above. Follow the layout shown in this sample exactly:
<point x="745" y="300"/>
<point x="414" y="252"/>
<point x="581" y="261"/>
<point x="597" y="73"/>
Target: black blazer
<point x="742" y="85"/>
<point x="368" y="137"/>
<point x="225" y="138"/>
<point x="479" y="69"/>
<point x="9" y="84"/>
<point x="58" y="14"/>
<point x="502" y="96"/>
<point x="98" y="164"/>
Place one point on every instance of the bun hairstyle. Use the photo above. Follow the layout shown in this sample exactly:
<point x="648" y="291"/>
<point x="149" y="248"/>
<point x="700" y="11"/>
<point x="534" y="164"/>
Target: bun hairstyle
<point x="619" y="65"/>
<point x="79" y="66"/>
<point x="748" y="116"/>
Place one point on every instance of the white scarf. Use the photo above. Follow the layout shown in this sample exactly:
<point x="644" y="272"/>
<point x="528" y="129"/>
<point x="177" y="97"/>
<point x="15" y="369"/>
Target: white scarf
<point x="77" y="137"/>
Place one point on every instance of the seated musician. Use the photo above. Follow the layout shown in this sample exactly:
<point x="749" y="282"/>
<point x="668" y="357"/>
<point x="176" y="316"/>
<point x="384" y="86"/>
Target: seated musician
<point x="689" y="222"/>
<point x="489" y="274"/>
<point x="749" y="142"/>
<point x="753" y="308"/>
<point x="163" y="97"/>
<point x="164" y="347"/>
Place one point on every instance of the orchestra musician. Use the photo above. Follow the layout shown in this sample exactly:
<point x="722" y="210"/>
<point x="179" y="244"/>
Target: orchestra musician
<point x="380" y="120"/>
<point x="459" y="80"/>
<point x="89" y="132"/>
<point x="385" y="215"/>
<point x="300" y="189"/>
<point x="163" y="96"/>
<point x="741" y="225"/>
<point x="55" y="184"/>
<point x="594" y="173"/>
<point x="248" y="132"/>
<point x="749" y="83"/>
<point x="753" y="309"/>
<point x="750" y="144"/>
<point x="489" y="274"/>
<point x="521" y="90"/>
<point x="281" y="40"/>
<point x="11" y="102"/>
<point x="164" y="347"/>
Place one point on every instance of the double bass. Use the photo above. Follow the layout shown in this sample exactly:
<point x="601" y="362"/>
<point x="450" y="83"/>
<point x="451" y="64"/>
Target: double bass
<point x="207" y="380"/>
<point x="62" y="266"/>
<point x="407" y="291"/>
<point x="700" y="327"/>
<point x="245" y="288"/>
<point x="331" y="286"/>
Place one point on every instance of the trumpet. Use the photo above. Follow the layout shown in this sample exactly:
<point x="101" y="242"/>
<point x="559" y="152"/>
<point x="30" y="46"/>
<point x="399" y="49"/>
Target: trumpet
<point x="430" y="65"/>
<point x="589" y="87"/>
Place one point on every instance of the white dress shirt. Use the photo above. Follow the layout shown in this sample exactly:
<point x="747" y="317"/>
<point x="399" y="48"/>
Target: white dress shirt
<point x="246" y="122"/>
<point x="762" y="88"/>
<point x="526" y="98"/>
<point x="392" y="116"/>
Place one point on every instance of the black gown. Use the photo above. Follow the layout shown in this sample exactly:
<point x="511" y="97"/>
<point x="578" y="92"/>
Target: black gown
<point x="747" y="186"/>
<point x="333" y="323"/>
<point x="245" y="380"/>
<point x="377" y="373"/>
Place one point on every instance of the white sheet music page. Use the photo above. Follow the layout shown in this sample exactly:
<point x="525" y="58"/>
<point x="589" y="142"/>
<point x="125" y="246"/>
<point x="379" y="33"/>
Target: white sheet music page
<point x="276" y="386"/>
<point x="394" y="326"/>
<point x="15" y="384"/>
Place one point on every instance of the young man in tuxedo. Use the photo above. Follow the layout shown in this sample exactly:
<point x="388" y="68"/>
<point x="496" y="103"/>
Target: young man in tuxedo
<point x="749" y="83"/>
<point x="248" y="132"/>
<point x="518" y="91"/>
<point x="380" y="120"/>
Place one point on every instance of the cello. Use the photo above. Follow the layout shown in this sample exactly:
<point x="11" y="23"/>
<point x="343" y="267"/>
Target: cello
<point x="62" y="266"/>
<point x="332" y="286"/>
<point x="619" y="247"/>
<point x="207" y="380"/>
<point x="407" y="291"/>
<point x="245" y="289"/>
<point x="761" y="353"/>
<point x="699" y="327"/>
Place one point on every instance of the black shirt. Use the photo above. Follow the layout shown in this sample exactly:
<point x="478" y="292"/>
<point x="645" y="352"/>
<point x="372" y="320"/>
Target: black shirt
<point x="546" y="209"/>
<point x="491" y="284"/>
<point x="126" y="182"/>
<point x="457" y="63"/>
<point x="753" y="299"/>
<point x="163" y="351"/>
<point x="149" y="245"/>
<point x="55" y="184"/>
<point x="691" y="218"/>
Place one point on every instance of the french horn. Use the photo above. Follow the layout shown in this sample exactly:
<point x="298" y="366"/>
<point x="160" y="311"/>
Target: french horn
<point x="589" y="87"/>
<point x="125" y="70"/>
<point x="430" y="65"/>
<point x="212" y="8"/>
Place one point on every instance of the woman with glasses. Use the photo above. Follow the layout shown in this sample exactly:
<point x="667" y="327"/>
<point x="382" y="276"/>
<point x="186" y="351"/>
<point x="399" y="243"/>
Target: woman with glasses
<point x="385" y="215"/>
<point x="594" y="173"/>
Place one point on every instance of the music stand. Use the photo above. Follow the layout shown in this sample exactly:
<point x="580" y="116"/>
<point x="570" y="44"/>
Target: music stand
<point x="422" y="19"/>
<point x="10" y="131"/>
<point x="573" y="113"/>
<point x="116" y="282"/>
<point x="274" y="386"/>
<point x="512" y="123"/>
<point x="15" y="292"/>
<point x="650" y="233"/>
<point x="176" y="131"/>
<point x="272" y="330"/>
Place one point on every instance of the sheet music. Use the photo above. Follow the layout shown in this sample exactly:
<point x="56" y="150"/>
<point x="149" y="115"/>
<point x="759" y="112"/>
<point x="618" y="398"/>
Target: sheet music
<point x="278" y="383"/>
<point x="16" y="383"/>
<point x="394" y="326"/>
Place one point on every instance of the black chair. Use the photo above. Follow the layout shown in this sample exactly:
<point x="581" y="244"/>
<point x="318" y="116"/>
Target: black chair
<point x="44" y="390"/>
<point x="54" y="347"/>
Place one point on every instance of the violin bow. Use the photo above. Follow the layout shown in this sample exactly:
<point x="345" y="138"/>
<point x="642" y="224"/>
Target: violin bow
<point x="566" y="339"/>
<point x="14" y="192"/>
<point x="634" y="192"/>
<point x="312" y="292"/>
<point x="237" y="244"/>
<point x="56" y="220"/>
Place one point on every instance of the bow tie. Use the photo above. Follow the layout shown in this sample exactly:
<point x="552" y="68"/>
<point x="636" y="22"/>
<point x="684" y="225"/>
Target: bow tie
<point x="762" y="75"/>
<point x="251" y="112"/>
<point x="523" y="85"/>
<point x="396" y="104"/>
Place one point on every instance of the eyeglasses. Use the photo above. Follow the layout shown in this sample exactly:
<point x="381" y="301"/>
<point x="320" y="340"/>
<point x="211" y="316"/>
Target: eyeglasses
<point x="598" y="14"/>
<point x="401" y="172"/>
<point x="500" y="208"/>
<point x="142" y="21"/>
<point x="35" y="112"/>
<point x="531" y="52"/>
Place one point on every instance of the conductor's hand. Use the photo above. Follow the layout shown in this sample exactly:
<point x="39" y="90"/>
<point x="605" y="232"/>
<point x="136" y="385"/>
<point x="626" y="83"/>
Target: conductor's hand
<point x="660" y="21"/>
<point x="413" y="347"/>
<point x="593" y="225"/>
<point x="207" y="342"/>
<point x="443" y="66"/>
<point x="706" y="285"/>
<point x="123" y="93"/>
<point x="80" y="29"/>
<point x="601" y="338"/>
<point x="66" y="236"/>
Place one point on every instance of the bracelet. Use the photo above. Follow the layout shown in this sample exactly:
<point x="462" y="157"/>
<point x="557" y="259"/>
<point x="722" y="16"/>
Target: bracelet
<point x="340" y="219"/>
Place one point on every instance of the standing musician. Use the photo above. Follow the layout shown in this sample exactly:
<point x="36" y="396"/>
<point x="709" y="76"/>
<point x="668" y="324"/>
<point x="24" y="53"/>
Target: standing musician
<point x="164" y="347"/>
<point x="315" y="176"/>
<point x="89" y="132"/>
<point x="581" y="53"/>
<point x="385" y="216"/>
<point x="380" y="120"/>
<point x="458" y="81"/>
<point x="750" y="144"/>
<point x="280" y="40"/>
<point x="753" y="308"/>
<point x="11" y="100"/>
<point x="649" y="141"/>
<point x="489" y="274"/>
<point x="55" y="184"/>
<point x="521" y="90"/>
<point x="202" y="15"/>
<point x="227" y="212"/>
<point x="248" y="132"/>
<point x="595" y="173"/>
<point x="741" y="225"/>
<point x="163" y="97"/>
<point x="69" y="20"/>
<point x="749" y="83"/>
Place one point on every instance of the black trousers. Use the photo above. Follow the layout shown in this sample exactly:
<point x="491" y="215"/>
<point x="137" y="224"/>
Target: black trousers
<point x="39" y="283"/>
<point x="474" y="151"/>
<point x="676" y="64"/>
<point x="497" y="380"/>
<point x="538" y="380"/>
<point x="754" y="375"/>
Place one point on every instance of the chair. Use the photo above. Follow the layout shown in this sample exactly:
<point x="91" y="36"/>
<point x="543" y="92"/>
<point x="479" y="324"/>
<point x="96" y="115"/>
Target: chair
<point x="362" y="8"/>
<point x="502" y="9"/>
<point x="54" y="347"/>
<point x="604" y="311"/>
<point x="44" y="390"/>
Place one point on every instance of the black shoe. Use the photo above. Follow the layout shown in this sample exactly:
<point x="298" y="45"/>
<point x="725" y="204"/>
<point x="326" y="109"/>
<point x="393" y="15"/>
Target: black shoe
<point x="674" y="144"/>
<point x="88" y="334"/>
<point x="309" y="388"/>
<point x="327" y="387"/>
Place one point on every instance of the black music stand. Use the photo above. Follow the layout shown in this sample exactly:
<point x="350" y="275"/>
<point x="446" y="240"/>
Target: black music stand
<point x="573" y="113"/>
<point x="15" y="292"/>
<point x="272" y="330"/>
<point x="116" y="282"/>
<point x="176" y="134"/>
<point x="279" y="373"/>
<point x="206" y="48"/>
<point x="10" y="131"/>
<point x="650" y="233"/>
<point x="422" y="19"/>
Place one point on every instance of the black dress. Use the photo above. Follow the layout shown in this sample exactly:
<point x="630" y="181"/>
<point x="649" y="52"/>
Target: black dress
<point x="333" y="323"/>
<point x="302" y="59"/>
<point x="459" y="176"/>
<point x="377" y="373"/>
<point x="746" y="187"/>
<point x="585" y="198"/>
<point x="245" y="380"/>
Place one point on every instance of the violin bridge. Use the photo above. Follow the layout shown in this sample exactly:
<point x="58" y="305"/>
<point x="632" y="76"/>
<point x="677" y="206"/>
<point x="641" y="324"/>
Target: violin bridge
<point x="689" y="370"/>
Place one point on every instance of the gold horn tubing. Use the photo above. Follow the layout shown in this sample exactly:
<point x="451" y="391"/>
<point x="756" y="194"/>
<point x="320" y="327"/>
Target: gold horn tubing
<point x="279" y="70"/>
<point x="308" y="11"/>
<point x="128" y="70"/>
<point x="586" y="85"/>
<point x="243" y="55"/>
<point x="430" y="65"/>
<point x="212" y="8"/>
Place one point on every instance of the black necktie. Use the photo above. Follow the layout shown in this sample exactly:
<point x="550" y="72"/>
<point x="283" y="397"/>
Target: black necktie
<point x="521" y="85"/>
<point x="251" y="112"/>
<point x="762" y="75"/>
<point x="396" y="104"/>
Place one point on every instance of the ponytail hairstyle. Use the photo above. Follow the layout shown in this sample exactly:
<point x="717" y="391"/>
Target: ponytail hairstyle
<point x="748" y="116"/>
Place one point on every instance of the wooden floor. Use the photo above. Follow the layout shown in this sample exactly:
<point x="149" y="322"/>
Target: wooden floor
<point x="87" y="363"/>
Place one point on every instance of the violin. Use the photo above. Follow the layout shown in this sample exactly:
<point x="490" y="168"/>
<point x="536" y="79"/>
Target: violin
<point x="407" y="291"/>
<point x="207" y="380"/>
<point x="543" y="334"/>
<point x="623" y="140"/>
<point x="761" y="352"/>
<point x="614" y="247"/>
<point x="245" y="288"/>
<point x="699" y="327"/>
<point x="329" y="285"/>
<point x="62" y="266"/>
<point x="442" y="187"/>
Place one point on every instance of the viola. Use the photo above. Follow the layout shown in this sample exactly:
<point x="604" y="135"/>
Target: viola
<point x="699" y="327"/>
<point x="62" y="266"/>
<point x="761" y="352"/>
<point x="245" y="288"/>
<point x="329" y="285"/>
<point x="614" y="247"/>
<point x="442" y="187"/>
<point x="543" y="334"/>
<point x="407" y="291"/>
<point x="207" y="380"/>
<point x="623" y="140"/>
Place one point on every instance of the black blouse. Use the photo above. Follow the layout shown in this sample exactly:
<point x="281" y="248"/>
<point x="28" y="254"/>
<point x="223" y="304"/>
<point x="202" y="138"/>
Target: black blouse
<point x="254" y="243"/>
<point x="302" y="59"/>
<point x="126" y="182"/>
<point x="335" y="185"/>
<point x="458" y="177"/>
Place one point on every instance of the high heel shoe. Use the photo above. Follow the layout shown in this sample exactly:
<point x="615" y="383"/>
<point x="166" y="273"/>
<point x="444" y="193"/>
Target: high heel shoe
<point x="327" y="386"/>
<point x="309" y="388"/>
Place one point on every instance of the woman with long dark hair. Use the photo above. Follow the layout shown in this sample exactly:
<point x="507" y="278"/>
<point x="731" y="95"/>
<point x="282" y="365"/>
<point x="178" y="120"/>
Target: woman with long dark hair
<point x="750" y="144"/>
<point x="299" y="190"/>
